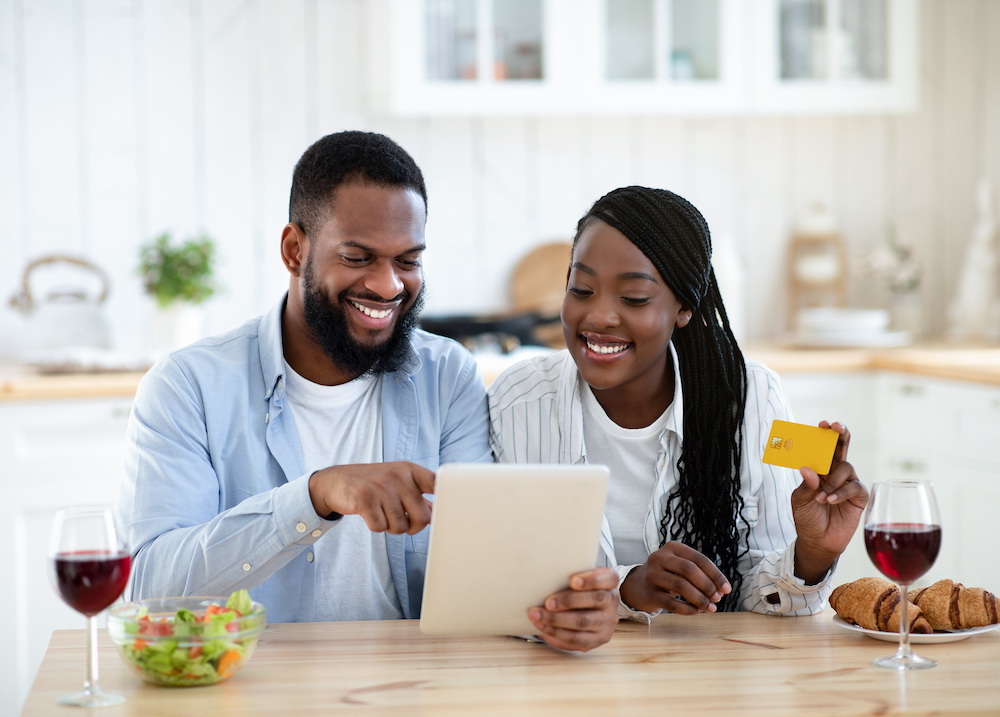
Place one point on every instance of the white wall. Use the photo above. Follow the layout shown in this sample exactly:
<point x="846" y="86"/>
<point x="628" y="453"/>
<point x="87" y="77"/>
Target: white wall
<point x="123" y="118"/>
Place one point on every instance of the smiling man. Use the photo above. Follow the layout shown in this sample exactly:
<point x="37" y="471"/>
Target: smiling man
<point x="291" y="456"/>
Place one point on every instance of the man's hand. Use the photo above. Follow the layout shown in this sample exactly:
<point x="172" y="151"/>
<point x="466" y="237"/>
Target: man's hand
<point x="387" y="495"/>
<point x="826" y="510"/>
<point x="583" y="617"/>
<point x="676" y="578"/>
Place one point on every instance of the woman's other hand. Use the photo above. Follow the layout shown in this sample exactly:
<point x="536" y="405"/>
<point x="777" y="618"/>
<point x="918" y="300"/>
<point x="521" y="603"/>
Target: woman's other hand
<point x="676" y="578"/>
<point x="826" y="510"/>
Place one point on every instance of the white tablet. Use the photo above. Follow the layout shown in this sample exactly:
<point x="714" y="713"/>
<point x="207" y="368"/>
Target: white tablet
<point x="505" y="537"/>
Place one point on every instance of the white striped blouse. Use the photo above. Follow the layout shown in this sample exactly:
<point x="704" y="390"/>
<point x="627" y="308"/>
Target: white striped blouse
<point x="536" y="416"/>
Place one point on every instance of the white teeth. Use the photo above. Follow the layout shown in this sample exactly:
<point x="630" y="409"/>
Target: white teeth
<point x="601" y="349"/>
<point x="372" y="312"/>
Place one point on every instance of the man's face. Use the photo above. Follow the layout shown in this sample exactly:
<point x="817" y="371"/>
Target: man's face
<point x="363" y="277"/>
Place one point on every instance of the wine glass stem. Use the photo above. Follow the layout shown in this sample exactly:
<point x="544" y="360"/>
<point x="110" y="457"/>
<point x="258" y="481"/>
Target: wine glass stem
<point x="904" y="623"/>
<point x="90" y="678"/>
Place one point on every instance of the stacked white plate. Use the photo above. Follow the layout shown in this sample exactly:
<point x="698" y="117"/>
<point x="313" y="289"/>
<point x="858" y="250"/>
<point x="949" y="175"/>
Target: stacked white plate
<point x="830" y="327"/>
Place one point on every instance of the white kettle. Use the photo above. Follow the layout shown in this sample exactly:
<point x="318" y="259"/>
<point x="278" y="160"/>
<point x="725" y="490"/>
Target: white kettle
<point x="67" y="317"/>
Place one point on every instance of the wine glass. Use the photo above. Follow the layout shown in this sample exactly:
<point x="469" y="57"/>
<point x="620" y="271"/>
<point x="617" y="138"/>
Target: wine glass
<point x="903" y="536"/>
<point x="88" y="567"/>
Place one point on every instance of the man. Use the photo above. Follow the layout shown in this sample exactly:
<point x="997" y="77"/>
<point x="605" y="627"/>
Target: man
<point x="291" y="456"/>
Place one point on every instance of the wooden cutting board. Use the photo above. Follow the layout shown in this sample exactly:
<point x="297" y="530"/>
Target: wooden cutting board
<point x="539" y="279"/>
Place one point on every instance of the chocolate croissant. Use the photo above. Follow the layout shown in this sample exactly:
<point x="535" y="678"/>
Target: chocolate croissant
<point x="873" y="603"/>
<point x="949" y="605"/>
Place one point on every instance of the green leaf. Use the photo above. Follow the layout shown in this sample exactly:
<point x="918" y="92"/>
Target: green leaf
<point x="182" y="272"/>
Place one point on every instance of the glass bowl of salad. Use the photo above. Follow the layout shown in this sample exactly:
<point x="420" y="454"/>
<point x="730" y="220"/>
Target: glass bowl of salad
<point x="185" y="641"/>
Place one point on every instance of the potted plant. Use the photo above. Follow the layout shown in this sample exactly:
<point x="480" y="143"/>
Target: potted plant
<point x="179" y="277"/>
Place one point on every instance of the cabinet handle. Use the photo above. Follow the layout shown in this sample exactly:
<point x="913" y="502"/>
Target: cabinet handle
<point x="912" y="466"/>
<point x="909" y="389"/>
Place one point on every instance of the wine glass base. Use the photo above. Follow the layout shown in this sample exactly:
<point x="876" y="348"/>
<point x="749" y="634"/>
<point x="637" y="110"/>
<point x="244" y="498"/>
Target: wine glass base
<point x="904" y="662"/>
<point x="92" y="698"/>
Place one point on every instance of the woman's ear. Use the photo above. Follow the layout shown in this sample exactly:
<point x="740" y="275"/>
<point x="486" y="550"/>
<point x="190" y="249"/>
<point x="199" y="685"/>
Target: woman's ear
<point x="683" y="316"/>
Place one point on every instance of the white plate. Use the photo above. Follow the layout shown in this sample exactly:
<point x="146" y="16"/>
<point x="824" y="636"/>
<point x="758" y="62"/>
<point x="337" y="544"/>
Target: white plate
<point x="952" y="636"/>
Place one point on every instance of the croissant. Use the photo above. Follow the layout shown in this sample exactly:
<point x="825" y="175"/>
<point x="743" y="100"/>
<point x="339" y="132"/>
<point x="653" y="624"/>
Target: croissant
<point x="873" y="603"/>
<point x="949" y="605"/>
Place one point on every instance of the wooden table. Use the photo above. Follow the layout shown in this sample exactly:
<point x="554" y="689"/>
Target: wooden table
<point x="730" y="664"/>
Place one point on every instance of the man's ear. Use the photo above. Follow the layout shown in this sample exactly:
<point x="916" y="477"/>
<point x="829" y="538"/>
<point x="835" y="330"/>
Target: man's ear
<point x="683" y="316"/>
<point x="294" y="248"/>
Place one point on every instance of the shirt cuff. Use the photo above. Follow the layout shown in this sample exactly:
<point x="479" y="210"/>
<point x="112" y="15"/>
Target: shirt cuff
<point x="793" y="592"/>
<point x="294" y="514"/>
<point x="624" y="611"/>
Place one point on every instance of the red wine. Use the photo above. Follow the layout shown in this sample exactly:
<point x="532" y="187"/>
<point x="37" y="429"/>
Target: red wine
<point x="89" y="581"/>
<point x="903" y="551"/>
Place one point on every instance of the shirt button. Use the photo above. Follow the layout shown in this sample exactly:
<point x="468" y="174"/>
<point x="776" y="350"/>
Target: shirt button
<point x="309" y="557"/>
<point x="301" y="527"/>
<point x="316" y="533"/>
<point x="246" y="567"/>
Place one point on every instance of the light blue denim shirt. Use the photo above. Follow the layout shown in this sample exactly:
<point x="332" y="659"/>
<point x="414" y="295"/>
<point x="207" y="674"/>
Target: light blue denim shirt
<point x="215" y="497"/>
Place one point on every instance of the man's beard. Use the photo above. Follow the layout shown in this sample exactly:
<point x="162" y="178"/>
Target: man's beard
<point x="328" y="322"/>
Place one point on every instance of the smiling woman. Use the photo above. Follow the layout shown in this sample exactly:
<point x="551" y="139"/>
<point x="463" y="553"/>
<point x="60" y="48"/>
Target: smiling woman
<point x="654" y="385"/>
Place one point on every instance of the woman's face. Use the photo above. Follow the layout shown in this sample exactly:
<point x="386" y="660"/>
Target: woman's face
<point x="618" y="314"/>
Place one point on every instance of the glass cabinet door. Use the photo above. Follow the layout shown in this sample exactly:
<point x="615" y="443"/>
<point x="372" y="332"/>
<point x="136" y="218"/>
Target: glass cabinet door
<point x="666" y="40"/>
<point x="836" y="56"/>
<point x="864" y="39"/>
<point x="450" y="39"/>
<point x="802" y="34"/>
<point x="517" y="40"/>
<point x="486" y="40"/>
<point x="828" y="39"/>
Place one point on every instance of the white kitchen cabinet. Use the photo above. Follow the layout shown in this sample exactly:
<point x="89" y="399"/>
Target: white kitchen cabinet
<point x="944" y="431"/>
<point x="835" y="56"/>
<point x="53" y="453"/>
<point x="644" y="57"/>
<point x="906" y="426"/>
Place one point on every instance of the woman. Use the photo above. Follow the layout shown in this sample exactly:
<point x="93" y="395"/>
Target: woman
<point x="654" y="385"/>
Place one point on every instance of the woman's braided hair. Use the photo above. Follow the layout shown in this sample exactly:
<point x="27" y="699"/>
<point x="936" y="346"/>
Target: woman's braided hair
<point x="704" y="509"/>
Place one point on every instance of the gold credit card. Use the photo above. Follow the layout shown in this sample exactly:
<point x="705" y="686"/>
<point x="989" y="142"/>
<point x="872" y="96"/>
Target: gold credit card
<point x="794" y="445"/>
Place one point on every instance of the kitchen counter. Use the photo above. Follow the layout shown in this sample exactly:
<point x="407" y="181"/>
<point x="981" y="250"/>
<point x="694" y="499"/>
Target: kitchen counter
<point x="710" y="664"/>
<point x="964" y="363"/>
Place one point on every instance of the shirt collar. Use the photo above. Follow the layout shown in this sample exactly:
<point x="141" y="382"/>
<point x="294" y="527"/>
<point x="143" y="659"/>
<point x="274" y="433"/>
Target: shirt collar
<point x="675" y="411"/>
<point x="272" y="357"/>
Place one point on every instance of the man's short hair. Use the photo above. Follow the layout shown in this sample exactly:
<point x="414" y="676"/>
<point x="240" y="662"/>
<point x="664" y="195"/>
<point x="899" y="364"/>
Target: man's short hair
<point x="345" y="157"/>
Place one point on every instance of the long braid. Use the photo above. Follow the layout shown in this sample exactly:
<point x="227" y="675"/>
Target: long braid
<point x="705" y="508"/>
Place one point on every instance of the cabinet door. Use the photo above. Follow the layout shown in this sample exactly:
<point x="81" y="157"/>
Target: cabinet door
<point x="469" y="57"/>
<point x="978" y="493"/>
<point x="837" y="396"/>
<point x="54" y="453"/>
<point x="976" y="425"/>
<point x="835" y="56"/>
<point x="914" y="413"/>
<point x="668" y="57"/>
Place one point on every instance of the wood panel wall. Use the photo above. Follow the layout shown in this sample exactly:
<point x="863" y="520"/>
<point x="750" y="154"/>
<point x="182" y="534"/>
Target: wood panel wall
<point x="120" y="119"/>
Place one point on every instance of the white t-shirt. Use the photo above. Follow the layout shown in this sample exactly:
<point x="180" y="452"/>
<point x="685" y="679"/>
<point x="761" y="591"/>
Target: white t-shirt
<point x="341" y="425"/>
<point x="630" y="453"/>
